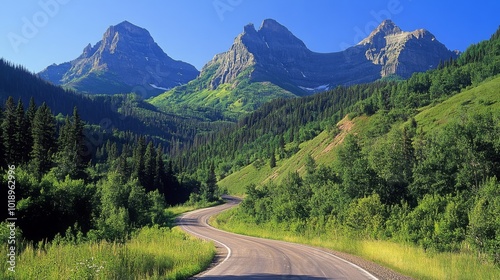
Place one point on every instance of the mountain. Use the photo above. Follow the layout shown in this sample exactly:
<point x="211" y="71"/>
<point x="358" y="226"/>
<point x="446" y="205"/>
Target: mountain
<point x="284" y="125"/>
<point x="403" y="53"/>
<point x="279" y="64"/>
<point x="127" y="59"/>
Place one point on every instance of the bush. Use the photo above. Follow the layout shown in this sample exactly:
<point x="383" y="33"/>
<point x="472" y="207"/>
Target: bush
<point x="366" y="217"/>
<point x="484" y="226"/>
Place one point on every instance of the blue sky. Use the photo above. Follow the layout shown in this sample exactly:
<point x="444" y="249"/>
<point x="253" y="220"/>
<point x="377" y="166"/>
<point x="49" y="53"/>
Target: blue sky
<point x="37" y="33"/>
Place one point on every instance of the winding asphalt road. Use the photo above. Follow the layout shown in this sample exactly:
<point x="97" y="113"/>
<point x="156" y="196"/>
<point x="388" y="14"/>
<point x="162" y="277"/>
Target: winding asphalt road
<point x="263" y="259"/>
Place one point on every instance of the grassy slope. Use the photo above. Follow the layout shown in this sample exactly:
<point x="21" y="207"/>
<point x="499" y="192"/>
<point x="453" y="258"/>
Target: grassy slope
<point x="153" y="253"/>
<point x="322" y="148"/>
<point x="319" y="148"/>
<point x="476" y="100"/>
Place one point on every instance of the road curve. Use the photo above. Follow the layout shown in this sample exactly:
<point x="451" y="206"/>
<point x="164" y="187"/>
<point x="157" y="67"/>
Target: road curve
<point x="263" y="259"/>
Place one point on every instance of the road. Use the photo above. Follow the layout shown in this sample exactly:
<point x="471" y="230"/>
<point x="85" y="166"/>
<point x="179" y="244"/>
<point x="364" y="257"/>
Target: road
<point x="263" y="259"/>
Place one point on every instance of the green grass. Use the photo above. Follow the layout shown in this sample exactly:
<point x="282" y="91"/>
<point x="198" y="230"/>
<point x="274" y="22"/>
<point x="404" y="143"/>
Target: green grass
<point x="152" y="253"/>
<point x="406" y="259"/>
<point x="322" y="148"/>
<point x="480" y="99"/>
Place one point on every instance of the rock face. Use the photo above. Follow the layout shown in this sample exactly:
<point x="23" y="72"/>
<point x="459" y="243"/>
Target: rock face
<point x="273" y="54"/>
<point x="126" y="60"/>
<point x="403" y="53"/>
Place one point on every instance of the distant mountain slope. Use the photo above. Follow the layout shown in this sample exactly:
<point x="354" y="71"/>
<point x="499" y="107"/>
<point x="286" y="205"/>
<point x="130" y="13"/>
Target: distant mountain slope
<point x="322" y="148"/>
<point x="271" y="63"/>
<point x="127" y="59"/>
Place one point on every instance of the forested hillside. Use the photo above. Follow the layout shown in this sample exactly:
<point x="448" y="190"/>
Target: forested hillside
<point x="420" y="166"/>
<point x="125" y="114"/>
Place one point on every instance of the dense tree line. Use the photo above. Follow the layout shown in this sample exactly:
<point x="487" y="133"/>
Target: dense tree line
<point x="437" y="190"/>
<point x="62" y="185"/>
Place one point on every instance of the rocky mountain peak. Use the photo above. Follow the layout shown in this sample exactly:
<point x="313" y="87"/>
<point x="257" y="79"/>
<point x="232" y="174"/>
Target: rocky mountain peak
<point x="273" y="53"/>
<point x="130" y="28"/>
<point x="272" y="25"/>
<point x="401" y="52"/>
<point x="249" y="29"/>
<point x="272" y="44"/>
<point x="88" y="51"/>
<point x="127" y="35"/>
<point x="127" y="59"/>
<point x="273" y="32"/>
<point x="386" y="28"/>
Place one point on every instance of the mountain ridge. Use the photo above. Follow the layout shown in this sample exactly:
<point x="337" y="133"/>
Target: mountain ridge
<point x="275" y="51"/>
<point x="274" y="55"/>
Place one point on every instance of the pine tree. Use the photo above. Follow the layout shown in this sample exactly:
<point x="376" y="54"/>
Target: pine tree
<point x="30" y="116"/>
<point x="138" y="160"/>
<point x="281" y="147"/>
<point x="22" y="135"/>
<point x="160" y="175"/>
<point x="112" y="152"/>
<point x="72" y="155"/>
<point x="272" y="161"/>
<point x="172" y="188"/>
<point x="149" y="168"/>
<point x="44" y="140"/>
<point x="64" y="155"/>
<point x="122" y="166"/>
<point x="81" y="155"/>
<point x="209" y="189"/>
<point x="9" y="131"/>
<point x="31" y="111"/>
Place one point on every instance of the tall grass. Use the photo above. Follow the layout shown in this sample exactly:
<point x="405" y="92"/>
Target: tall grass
<point x="152" y="253"/>
<point x="404" y="258"/>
